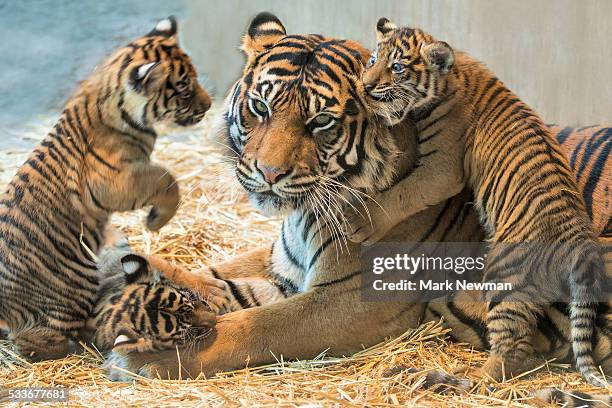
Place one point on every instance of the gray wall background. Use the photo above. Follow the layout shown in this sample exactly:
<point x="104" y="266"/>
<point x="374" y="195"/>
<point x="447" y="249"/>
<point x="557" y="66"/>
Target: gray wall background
<point x="556" y="54"/>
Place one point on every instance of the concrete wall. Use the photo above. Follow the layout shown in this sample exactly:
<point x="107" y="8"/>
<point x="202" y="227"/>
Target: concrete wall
<point x="556" y="54"/>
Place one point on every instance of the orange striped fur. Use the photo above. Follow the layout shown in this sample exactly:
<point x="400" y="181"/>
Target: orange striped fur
<point x="95" y="161"/>
<point x="474" y="132"/>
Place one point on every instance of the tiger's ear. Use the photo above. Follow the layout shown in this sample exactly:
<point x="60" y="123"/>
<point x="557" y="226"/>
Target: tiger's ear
<point x="134" y="267"/>
<point x="438" y="56"/>
<point x="168" y="27"/>
<point x="148" y="78"/>
<point x="264" y="31"/>
<point x="383" y="28"/>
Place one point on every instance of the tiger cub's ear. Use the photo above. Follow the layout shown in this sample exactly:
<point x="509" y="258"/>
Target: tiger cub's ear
<point x="168" y="27"/>
<point x="264" y="31"/>
<point x="438" y="56"/>
<point x="383" y="28"/>
<point x="149" y="77"/>
<point x="135" y="267"/>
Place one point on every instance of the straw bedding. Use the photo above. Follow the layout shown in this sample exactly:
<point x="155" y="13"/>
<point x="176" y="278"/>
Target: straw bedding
<point x="213" y="223"/>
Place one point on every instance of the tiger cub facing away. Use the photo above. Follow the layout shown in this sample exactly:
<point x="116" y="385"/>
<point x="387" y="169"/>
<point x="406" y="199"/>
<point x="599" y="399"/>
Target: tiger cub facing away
<point x="473" y="131"/>
<point x="95" y="161"/>
<point x="139" y="309"/>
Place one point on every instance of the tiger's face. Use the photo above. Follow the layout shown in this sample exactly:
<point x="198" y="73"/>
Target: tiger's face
<point x="139" y="309"/>
<point x="297" y="121"/>
<point x="406" y="72"/>
<point x="157" y="81"/>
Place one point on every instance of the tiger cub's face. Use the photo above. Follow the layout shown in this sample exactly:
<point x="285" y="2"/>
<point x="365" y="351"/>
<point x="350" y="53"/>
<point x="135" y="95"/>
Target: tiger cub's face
<point x="297" y="119"/>
<point x="157" y="81"/>
<point x="139" y="309"/>
<point x="407" y="71"/>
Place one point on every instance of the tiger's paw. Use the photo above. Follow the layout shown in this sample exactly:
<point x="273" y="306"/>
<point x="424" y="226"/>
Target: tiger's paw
<point x="367" y="227"/>
<point x="435" y="380"/>
<point x="122" y="367"/>
<point x="216" y="293"/>
<point x="158" y="217"/>
<point x="125" y="366"/>
<point x="572" y="398"/>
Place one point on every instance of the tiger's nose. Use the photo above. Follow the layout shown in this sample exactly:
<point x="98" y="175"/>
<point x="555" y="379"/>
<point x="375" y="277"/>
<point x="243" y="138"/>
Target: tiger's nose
<point x="272" y="174"/>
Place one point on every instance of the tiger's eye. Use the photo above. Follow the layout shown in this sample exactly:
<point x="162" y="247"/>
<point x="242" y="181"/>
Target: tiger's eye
<point x="261" y="107"/>
<point x="322" y="120"/>
<point x="397" y="68"/>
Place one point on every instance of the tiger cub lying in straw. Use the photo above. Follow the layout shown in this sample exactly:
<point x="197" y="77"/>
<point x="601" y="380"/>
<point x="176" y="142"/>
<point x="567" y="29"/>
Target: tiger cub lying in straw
<point x="139" y="309"/>
<point x="95" y="161"/>
<point x="474" y="132"/>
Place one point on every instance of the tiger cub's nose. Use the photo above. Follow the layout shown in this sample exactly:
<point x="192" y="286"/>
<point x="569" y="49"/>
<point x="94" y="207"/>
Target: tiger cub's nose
<point x="272" y="174"/>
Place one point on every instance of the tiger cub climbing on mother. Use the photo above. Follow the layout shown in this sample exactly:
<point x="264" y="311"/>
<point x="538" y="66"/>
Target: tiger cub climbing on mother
<point x="474" y="132"/>
<point x="95" y="161"/>
<point x="299" y="127"/>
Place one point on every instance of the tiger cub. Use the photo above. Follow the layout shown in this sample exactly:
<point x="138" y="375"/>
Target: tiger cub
<point x="95" y="161"/>
<point x="139" y="309"/>
<point x="473" y="131"/>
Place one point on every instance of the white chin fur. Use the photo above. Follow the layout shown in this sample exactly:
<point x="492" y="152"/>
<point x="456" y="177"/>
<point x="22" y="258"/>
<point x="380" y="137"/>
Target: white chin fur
<point x="268" y="209"/>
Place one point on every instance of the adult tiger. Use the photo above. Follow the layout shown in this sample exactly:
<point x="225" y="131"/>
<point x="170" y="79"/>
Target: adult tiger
<point x="474" y="132"/>
<point x="302" y="295"/>
<point x="95" y="161"/>
<point x="588" y="150"/>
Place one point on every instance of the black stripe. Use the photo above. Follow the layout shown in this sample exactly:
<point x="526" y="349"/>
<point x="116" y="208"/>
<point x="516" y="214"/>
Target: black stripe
<point x="339" y="280"/>
<point x="237" y="295"/>
<point x="101" y="160"/>
<point x="135" y="125"/>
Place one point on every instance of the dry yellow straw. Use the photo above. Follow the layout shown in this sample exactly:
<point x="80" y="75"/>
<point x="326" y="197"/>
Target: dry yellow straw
<point x="214" y="223"/>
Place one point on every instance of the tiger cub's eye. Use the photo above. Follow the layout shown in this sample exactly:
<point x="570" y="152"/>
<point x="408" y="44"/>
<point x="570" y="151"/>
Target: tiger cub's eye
<point x="372" y="60"/>
<point x="397" y="68"/>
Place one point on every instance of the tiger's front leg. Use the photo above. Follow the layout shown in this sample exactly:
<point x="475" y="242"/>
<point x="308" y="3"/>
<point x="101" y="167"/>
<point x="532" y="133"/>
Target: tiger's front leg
<point x="438" y="177"/>
<point x="243" y="282"/>
<point x="135" y="186"/>
<point x="425" y="187"/>
<point x="300" y="327"/>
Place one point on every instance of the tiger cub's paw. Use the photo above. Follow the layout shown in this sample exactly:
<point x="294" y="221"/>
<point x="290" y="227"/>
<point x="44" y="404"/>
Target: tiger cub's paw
<point x="158" y="217"/>
<point x="165" y="204"/>
<point x="571" y="399"/>
<point x="435" y="380"/>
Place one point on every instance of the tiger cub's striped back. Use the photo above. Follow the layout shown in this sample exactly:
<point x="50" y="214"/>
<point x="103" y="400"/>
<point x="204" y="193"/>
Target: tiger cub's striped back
<point x="93" y="162"/>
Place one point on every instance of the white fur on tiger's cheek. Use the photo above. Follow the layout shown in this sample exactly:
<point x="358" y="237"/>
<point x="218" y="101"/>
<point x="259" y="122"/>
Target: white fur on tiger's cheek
<point x="164" y="26"/>
<point x="121" y="339"/>
<point x="144" y="69"/>
<point x="130" y="267"/>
